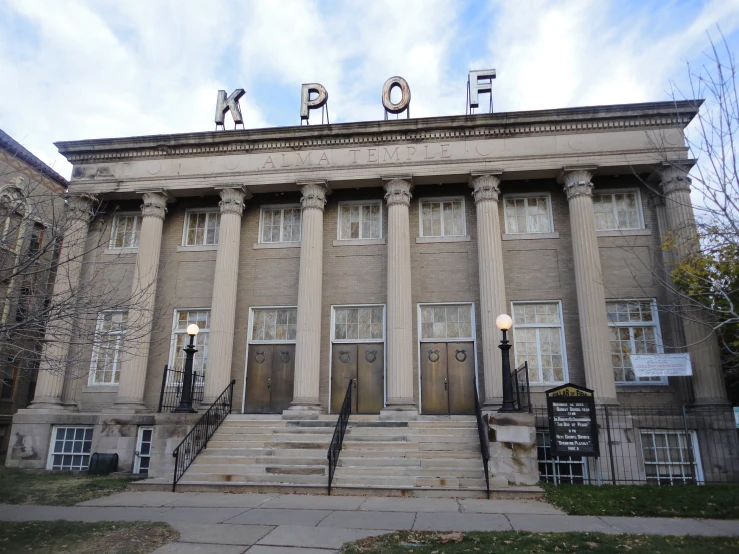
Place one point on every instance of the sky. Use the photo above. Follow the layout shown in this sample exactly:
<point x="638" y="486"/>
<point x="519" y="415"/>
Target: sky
<point x="85" y="69"/>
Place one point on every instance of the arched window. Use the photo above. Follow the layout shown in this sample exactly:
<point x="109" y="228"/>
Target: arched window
<point x="13" y="210"/>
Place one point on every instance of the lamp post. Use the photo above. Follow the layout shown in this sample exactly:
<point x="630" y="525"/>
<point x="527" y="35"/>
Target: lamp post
<point x="504" y="322"/>
<point x="185" y="406"/>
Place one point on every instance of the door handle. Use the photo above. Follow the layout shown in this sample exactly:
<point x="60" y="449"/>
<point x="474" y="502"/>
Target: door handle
<point x="269" y="384"/>
<point x="446" y="384"/>
<point x="354" y="381"/>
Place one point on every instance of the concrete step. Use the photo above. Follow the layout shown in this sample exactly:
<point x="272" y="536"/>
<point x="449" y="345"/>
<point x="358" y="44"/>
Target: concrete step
<point x="255" y="478"/>
<point x="259" y="469"/>
<point x="348" y="471"/>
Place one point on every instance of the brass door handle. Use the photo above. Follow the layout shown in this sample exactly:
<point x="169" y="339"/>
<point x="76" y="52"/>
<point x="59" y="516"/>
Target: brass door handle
<point x="355" y="383"/>
<point x="269" y="384"/>
<point x="446" y="384"/>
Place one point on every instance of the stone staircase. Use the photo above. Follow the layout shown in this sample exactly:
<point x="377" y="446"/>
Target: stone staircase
<point x="434" y="456"/>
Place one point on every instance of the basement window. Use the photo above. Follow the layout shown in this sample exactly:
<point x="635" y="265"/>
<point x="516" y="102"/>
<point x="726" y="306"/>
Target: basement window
<point x="70" y="448"/>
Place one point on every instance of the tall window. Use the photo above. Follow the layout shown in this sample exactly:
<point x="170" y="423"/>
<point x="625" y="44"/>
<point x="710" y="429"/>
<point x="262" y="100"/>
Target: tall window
<point x="527" y="214"/>
<point x="109" y="334"/>
<point x="452" y="321"/>
<point x="13" y="210"/>
<point x="280" y="224"/>
<point x="617" y="210"/>
<point x="180" y="339"/>
<point x="560" y="469"/>
<point x="274" y="324"/>
<point x="70" y="448"/>
<point x="360" y="221"/>
<point x="442" y="218"/>
<point x="363" y="323"/>
<point x="201" y="228"/>
<point x="538" y="338"/>
<point x="125" y="232"/>
<point x="634" y="330"/>
<point x="668" y="459"/>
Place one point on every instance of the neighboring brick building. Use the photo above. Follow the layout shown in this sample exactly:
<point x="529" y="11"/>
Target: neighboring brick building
<point x="28" y="189"/>
<point x="380" y="252"/>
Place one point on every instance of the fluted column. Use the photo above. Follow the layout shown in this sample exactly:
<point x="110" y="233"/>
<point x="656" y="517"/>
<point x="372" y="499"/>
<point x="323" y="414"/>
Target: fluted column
<point x="310" y="288"/>
<point x="141" y="311"/>
<point x="223" y="305"/>
<point x="492" y="282"/>
<point x="591" y="300"/>
<point x="399" y="302"/>
<point x="701" y="341"/>
<point x="55" y="350"/>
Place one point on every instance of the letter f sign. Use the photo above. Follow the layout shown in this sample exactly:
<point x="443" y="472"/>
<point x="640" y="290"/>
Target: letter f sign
<point x="230" y="103"/>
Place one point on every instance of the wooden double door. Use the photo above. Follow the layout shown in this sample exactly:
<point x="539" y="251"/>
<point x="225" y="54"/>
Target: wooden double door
<point x="270" y="373"/>
<point x="447" y="378"/>
<point x="364" y="366"/>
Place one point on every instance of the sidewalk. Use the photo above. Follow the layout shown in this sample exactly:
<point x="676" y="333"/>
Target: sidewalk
<point x="223" y="523"/>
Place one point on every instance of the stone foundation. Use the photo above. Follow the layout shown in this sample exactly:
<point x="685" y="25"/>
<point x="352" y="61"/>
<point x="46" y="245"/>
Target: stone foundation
<point x="512" y="440"/>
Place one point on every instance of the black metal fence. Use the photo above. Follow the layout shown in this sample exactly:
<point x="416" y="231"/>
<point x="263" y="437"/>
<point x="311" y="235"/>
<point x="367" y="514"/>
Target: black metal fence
<point x="169" y="397"/>
<point x="662" y="445"/>
<point x="521" y="389"/>
<point x="200" y="434"/>
<point x="337" y="441"/>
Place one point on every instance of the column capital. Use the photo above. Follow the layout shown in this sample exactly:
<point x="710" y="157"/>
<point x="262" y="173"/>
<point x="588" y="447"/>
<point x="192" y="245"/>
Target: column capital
<point x="485" y="185"/>
<point x="398" y="190"/>
<point x="79" y="207"/>
<point x="576" y="181"/>
<point x="674" y="178"/>
<point x="154" y="204"/>
<point x="314" y="194"/>
<point x="232" y="200"/>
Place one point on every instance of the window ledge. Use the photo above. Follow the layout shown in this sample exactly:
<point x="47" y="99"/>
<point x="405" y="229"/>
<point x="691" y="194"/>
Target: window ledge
<point x="258" y="245"/>
<point x="200" y="248"/>
<point x="100" y="388"/>
<point x="359" y="242"/>
<point x="634" y="387"/>
<point x="118" y="251"/>
<point x="423" y="240"/>
<point x="625" y="233"/>
<point x="530" y="236"/>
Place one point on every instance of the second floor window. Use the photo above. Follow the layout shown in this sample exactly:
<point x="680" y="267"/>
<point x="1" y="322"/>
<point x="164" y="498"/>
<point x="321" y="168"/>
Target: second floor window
<point x="125" y="232"/>
<point x="280" y="224"/>
<point x="617" y="210"/>
<point x="360" y="221"/>
<point x="527" y="214"/>
<point x="442" y="218"/>
<point x="201" y="228"/>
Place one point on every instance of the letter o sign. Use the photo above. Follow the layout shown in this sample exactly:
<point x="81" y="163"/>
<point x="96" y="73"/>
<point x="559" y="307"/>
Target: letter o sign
<point x="405" y="98"/>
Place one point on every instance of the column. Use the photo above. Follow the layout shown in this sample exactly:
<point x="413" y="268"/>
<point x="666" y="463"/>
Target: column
<point x="701" y="341"/>
<point x="55" y="352"/>
<point x="306" y="400"/>
<point x="591" y="300"/>
<point x="492" y="283"/>
<point x="223" y="306"/>
<point x="399" y="384"/>
<point x="141" y="312"/>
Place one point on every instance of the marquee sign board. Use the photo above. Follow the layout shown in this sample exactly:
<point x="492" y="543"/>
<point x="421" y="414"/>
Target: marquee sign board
<point x="573" y="428"/>
<point x="661" y="365"/>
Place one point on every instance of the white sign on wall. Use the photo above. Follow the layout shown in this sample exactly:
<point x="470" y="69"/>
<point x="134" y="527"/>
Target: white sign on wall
<point x="661" y="365"/>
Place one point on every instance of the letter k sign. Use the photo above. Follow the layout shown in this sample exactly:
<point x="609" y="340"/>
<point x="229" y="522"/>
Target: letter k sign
<point x="230" y="103"/>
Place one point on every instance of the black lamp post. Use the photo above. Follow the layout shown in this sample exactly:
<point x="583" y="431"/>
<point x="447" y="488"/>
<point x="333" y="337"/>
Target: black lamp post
<point x="185" y="406"/>
<point x="504" y="322"/>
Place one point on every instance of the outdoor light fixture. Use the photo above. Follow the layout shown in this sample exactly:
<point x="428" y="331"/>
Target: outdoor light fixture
<point x="185" y="406"/>
<point x="504" y="323"/>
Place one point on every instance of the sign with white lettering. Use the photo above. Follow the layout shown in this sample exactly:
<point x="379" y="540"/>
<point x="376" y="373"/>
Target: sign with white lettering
<point x="573" y="429"/>
<point x="661" y="365"/>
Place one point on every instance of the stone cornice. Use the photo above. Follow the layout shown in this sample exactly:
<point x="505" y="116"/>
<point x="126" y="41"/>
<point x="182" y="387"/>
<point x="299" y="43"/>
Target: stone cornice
<point x="497" y="125"/>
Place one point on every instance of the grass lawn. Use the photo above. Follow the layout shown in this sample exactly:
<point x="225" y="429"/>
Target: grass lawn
<point x="561" y="543"/>
<point x="109" y="537"/>
<point x="707" y="502"/>
<point x="61" y="488"/>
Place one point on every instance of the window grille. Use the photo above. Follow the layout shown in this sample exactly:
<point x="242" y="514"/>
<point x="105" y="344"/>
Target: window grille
<point x="280" y="224"/>
<point x="442" y="218"/>
<point x="109" y="335"/>
<point x="566" y="469"/>
<point x="180" y="339"/>
<point x="362" y="323"/>
<point x="527" y="214"/>
<point x="617" y="211"/>
<point x="446" y="322"/>
<point x="360" y="221"/>
<point x="634" y="329"/>
<point x="201" y="228"/>
<point x="538" y="338"/>
<point x="70" y="448"/>
<point x="274" y="324"/>
<point x="125" y="233"/>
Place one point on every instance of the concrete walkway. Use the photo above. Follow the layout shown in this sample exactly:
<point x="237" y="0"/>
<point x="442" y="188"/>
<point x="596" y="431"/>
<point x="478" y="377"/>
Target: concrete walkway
<point x="222" y="523"/>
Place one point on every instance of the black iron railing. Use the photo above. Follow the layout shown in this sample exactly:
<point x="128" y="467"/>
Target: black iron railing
<point x="169" y="397"/>
<point x="337" y="440"/>
<point x="482" y="432"/>
<point x="521" y="389"/>
<point x="198" y="437"/>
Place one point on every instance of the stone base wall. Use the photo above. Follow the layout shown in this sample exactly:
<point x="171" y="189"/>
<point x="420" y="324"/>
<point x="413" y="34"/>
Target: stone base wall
<point x="512" y="440"/>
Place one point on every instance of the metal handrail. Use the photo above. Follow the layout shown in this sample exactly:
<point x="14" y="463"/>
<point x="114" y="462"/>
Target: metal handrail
<point x="522" y="393"/>
<point x="197" y="439"/>
<point x="484" y="446"/>
<point x="337" y="440"/>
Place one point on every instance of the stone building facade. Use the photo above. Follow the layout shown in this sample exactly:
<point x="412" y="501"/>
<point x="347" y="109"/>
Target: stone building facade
<point x="29" y="191"/>
<point x="381" y="252"/>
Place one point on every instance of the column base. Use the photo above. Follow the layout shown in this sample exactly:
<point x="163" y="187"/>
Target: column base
<point x="305" y="409"/>
<point x="399" y="412"/>
<point x="606" y="402"/>
<point x="48" y="405"/>
<point x="129" y="407"/>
